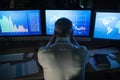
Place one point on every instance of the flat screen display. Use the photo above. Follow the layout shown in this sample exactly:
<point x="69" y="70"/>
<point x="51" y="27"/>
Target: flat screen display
<point x="107" y="25"/>
<point x="80" y="19"/>
<point x="20" y="22"/>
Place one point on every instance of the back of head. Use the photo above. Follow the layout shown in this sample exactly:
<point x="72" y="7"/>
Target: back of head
<point x="63" y="27"/>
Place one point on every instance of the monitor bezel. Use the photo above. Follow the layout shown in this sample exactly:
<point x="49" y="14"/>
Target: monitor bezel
<point x="94" y="21"/>
<point x="26" y="35"/>
<point x="89" y="34"/>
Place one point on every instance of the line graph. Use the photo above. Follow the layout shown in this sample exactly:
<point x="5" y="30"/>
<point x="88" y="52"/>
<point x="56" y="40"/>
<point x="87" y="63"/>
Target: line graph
<point x="7" y="25"/>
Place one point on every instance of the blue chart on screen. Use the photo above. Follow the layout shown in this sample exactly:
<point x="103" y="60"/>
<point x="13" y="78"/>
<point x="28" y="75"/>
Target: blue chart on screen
<point x="107" y="25"/>
<point x="79" y="18"/>
<point x="20" y="22"/>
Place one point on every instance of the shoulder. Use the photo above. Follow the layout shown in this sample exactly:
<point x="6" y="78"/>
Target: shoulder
<point x="42" y="48"/>
<point x="82" y="50"/>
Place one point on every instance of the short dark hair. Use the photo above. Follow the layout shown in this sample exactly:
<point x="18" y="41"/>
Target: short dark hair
<point x="63" y="26"/>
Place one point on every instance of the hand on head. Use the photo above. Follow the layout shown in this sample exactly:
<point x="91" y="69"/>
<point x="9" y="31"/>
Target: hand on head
<point x="63" y="28"/>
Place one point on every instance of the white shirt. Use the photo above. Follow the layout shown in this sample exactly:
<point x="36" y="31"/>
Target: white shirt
<point x="63" y="61"/>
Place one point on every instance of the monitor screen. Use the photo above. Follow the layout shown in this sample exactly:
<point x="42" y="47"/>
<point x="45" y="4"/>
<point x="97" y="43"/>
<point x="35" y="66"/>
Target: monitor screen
<point x="80" y="19"/>
<point x="107" y="25"/>
<point x="20" y="22"/>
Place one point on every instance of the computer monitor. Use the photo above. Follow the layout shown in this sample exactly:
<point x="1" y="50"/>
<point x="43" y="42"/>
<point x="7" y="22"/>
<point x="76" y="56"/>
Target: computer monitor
<point x="107" y="25"/>
<point x="20" y="22"/>
<point x="81" y="20"/>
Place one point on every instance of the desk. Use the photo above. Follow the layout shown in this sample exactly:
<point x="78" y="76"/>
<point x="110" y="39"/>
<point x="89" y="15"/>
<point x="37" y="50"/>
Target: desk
<point x="109" y="50"/>
<point x="93" y="73"/>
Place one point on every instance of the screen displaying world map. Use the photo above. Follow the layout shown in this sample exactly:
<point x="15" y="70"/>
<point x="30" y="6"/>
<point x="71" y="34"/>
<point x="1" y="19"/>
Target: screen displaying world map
<point x="107" y="25"/>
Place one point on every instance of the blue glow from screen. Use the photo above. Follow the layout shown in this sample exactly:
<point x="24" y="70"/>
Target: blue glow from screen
<point x="20" y="22"/>
<point x="79" y="18"/>
<point x="107" y="25"/>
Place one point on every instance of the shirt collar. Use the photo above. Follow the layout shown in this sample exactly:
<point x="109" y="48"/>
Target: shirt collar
<point x="63" y="39"/>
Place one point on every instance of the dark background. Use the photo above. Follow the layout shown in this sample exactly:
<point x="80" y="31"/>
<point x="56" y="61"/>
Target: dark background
<point x="27" y="44"/>
<point x="96" y="4"/>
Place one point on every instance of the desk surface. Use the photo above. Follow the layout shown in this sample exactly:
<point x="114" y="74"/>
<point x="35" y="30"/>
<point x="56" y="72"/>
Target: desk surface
<point x="109" y="50"/>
